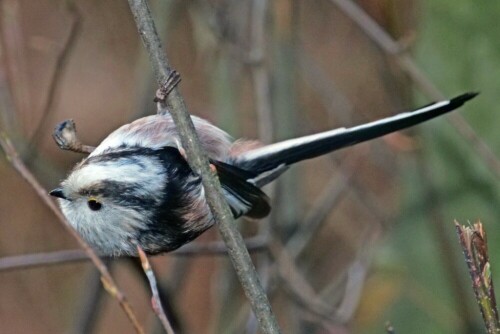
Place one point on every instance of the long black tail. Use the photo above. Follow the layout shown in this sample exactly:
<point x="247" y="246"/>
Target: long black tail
<point x="269" y="158"/>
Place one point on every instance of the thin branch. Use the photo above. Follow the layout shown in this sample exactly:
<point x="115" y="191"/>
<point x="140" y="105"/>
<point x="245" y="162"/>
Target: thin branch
<point x="354" y="279"/>
<point x="33" y="260"/>
<point x="255" y="244"/>
<point x="198" y="161"/>
<point x="263" y="108"/>
<point x="155" y="299"/>
<point x="17" y="262"/>
<point x="391" y="47"/>
<point x="91" y="303"/>
<point x="108" y="282"/>
<point x="165" y="294"/>
<point x="473" y="242"/>
<point x="336" y="104"/>
<point x="14" y="56"/>
<point x="297" y="284"/>
<point x="57" y="74"/>
<point x="438" y="227"/>
<point x="323" y="205"/>
<point x="364" y="197"/>
<point x="258" y="70"/>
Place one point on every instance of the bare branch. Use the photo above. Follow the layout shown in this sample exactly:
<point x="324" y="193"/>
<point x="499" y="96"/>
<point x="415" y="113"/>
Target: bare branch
<point x="255" y="244"/>
<point x="378" y="35"/>
<point x="59" y="69"/>
<point x="439" y="228"/>
<point x="91" y="306"/>
<point x="323" y="205"/>
<point x="106" y="278"/>
<point x="198" y="161"/>
<point x="298" y="285"/>
<point x="263" y="108"/>
<point x="258" y="71"/>
<point x="13" y="51"/>
<point x="17" y="262"/>
<point x="475" y="248"/>
<point x="155" y="299"/>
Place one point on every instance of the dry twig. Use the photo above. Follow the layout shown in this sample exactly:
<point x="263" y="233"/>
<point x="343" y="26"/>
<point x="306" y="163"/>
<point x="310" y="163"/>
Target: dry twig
<point x="17" y="262"/>
<point x="198" y="161"/>
<point x="298" y="286"/>
<point x="108" y="281"/>
<point x="155" y="299"/>
<point x="91" y="304"/>
<point x="329" y="198"/>
<point x="392" y="48"/>
<point x="464" y="309"/>
<point x="475" y="248"/>
<point x="60" y="66"/>
<point x="258" y="70"/>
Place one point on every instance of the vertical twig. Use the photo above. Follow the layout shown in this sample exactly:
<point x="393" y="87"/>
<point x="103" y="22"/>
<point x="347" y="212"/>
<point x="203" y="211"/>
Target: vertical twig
<point x="258" y="70"/>
<point x="287" y="204"/>
<point x="14" y="56"/>
<point x="155" y="298"/>
<point x="55" y="82"/>
<point x="444" y="244"/>
<point x="263" y="108"/>
<point x="197" y="160"/>
<point x="91" y="305"/>
<point x="475" y="248"/>
<point x="170" y="291"/>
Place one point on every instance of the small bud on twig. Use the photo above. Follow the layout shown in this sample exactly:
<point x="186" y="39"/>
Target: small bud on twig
<point x="475" y="248"/>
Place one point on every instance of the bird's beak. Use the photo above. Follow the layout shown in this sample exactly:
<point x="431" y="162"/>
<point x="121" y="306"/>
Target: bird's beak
<point x="58" y="192"/>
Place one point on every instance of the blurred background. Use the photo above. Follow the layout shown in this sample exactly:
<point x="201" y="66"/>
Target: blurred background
<point x="356" y="238"/>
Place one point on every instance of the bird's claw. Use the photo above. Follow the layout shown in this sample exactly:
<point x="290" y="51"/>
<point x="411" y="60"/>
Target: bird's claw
<point x="66" y="139"/>
<point x="167" y="86"/>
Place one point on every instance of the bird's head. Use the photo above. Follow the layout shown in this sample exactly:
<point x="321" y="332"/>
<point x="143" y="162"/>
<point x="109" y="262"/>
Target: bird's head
<point x="109" y="199"/>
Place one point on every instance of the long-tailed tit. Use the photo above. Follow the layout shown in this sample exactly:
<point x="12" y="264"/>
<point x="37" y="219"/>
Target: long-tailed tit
<point x="136" y="187"/>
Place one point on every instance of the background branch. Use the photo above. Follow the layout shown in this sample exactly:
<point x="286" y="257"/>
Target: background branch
<point x="308" y="67"/>
<point x="155" y="299"/>
<point x="106" y="278"/>
<point x="390" y="46"/>
<point x="16" y="262"/>
<point x="60" y="67"/>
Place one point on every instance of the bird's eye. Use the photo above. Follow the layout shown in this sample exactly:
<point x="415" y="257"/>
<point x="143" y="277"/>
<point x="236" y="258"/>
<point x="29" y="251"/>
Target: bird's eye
<point x="94" y="205"/>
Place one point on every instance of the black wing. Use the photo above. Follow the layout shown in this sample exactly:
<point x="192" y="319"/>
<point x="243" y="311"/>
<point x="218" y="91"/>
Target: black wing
<point x="244" y="198"/>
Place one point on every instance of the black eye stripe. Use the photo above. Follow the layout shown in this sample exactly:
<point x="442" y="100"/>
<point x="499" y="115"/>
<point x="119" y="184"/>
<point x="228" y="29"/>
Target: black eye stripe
<point x="94" y="205"/>
<point x="127" y="194"/>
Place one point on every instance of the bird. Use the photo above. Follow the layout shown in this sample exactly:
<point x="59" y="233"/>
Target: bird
<point x="136" y="187"/>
